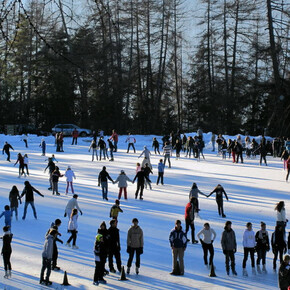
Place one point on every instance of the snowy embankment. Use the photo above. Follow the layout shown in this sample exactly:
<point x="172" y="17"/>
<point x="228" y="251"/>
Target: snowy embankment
<point x="253" y="191"/>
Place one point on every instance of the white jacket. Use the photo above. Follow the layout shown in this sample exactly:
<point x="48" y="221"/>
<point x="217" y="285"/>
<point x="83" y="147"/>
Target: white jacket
<point x="72" y="203"/>
<point x="281" y="216"/>
<point x="208" y="235"/>
<point x="73" y="223"/>
<point x="249" y="239"/>
<point x="69" y="174"/>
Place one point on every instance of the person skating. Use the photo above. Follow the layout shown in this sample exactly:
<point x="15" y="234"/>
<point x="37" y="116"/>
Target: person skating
<point x="285" y="157"/>
<point x="102" y="145"/>
<point x="249" y="244"/>
<point x="288" y="168"/>
<point x="115" y="209"/>
<point x="29" y="198"/>
<point x="146" y="152"/>
<point x="24" y="139"/>
<point x="72" y="204"/>
<point x="43" y="147"/>
<point x="140" y="176"/>
<point x="51" y="168"/>
<point x="209" y="236"/>
<point x="262" y="247"/>
<point x="219" y="190"/>
<point x="55" y="178"/>
<point x="25" y="165"/>
<point x="103" y="181"/>
<point x="178" y="242"/>
<point x="13" y="198"/>
<point x="7" y="216"/>
<point x="21" y="165"/>
<point x="115" y="139"/>
<point x="47" y="257"/>
<point x="281" y="215"/>
<point x="114" y="246"/>
<point x="189" y="219"/>
<point x="278" y="244"/>
<point x="238" y="148"/>
<point x="75" y="135"/>
<point x="155" y="145"/>
<point x="194" y="191"/>
<point x="131" y="141"/>
<point x="7" y="250"/>
<point x="212" y="139"/>
<point x="99" y="251"/>
<point x="94" y="148"/>
<point x="167" y="153"/>
<point x="262" y="148"/>
<point x="134" y="245"/>
<point x="105" y="233"/>
<point x="122" y="183"/>
<point x="147" y="172"/>
<point x="161" y="167"/>
<point x="229" y="247"/>
<point x="284" y="274"/>
<point x="70" y="175"/>
<point x="73" y="229"/>
<point x="112" y="148"/>
<point x="6" y="149"/>
<point x="177" y="147"/>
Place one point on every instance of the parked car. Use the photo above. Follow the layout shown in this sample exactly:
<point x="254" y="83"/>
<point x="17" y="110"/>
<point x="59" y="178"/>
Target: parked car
<point x="67" y="130"/>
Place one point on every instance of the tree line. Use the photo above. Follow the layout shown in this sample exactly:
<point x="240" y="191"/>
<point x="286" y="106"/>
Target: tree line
<point x="127" y="65"/>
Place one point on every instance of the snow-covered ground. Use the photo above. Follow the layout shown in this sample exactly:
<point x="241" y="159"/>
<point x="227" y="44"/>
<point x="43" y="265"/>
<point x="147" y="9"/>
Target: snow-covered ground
<point x="253" y="191"/>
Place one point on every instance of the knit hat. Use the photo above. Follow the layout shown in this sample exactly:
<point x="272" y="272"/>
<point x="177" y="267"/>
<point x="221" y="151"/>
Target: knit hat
<point x="98" y="237"/>
<point x="122" y="171"/>
<point x="103" y="224"/>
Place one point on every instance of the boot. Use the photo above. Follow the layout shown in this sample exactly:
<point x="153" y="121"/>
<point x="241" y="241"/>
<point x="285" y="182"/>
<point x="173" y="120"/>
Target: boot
<point x="264" y="269"/>
<point x="137" y="270"/>
<point x="128" y="270"/>
<point x="245" y="273"/>
<point x="259" y="269"/>
<point x="9" y="273"/>
<point x="6" y="275"/>
<point x="253" y="271"/>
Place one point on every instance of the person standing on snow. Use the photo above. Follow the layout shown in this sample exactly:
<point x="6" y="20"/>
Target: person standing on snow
<point x="7" y="250"/>
<point x="249" y="244"/>
<point x="122" y="183"/>
<point x="189" y="219"/>
<point x="75" y="135"/>
<point x="229" y="247"/>
<point x="212" y="139"/>
<point x="29" y="198"/>
<point x="134" y="244"/>
<point x="103" y="256"/>
<point x="115" y="209"/>
<point x="69" y="174"/>
<point x="112" y="148"/>
<point x="6" y="149"/>
<point x="209" y="236"/>
<point x="72" y="204"/>
<point x="278" y="245"/>
<point x="147" y="171"/>
<point x="26" y="161"/>
<point x="103" y="180"/>
<point x="219" y="190"/>
<point x="178" y="241"/>
<point x="130" y="140"/>
<point x="114" y="246"/>
<point x="7" y="215"/>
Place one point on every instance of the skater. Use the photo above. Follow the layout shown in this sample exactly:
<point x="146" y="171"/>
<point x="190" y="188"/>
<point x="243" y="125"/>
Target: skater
<point x="262" y="247"/>
<point x="103" y="180"/>
<point x="8" y="216"/>
<point x="55" y="226"/>
<point x="21" y="165"/>
<point x="134" y="244"/>
<point x="263" y="151"/>
<point x="51" y="168"/>
<point x="229" y="247"/>
<point x="167" y="153"/>
<point x="288" y="168"/>
<point x="189" y="219"/>
<point x="75" y="135"/>
<point x="47" y="257"/>
<point x="284" y="274"/>
<point x="209" y="236"/>
<point x="147" y="171"/>
<point x="219" y="190"/>
<point x="278" y="244"/>
<point x="24" y="139"/>
<point x="114" y="246"/>
<point x="6" y="149"/>
<point x="115" y="138"/>
<point x="112" y="148"/>
<point x="285" y="157"/>
<point x="72" y="204"/>
<point x="73" y="229"/>
<point x="102" y="145"/>
<point x="25" y="161"/>
<point x="29" y="198"/>
<point x="60" y="140"/>
<point x="122" y="183"/>
<point x="70" y="175"/>
<point x="146" y="161"/>
<point x="177" y="148"/>
<point x="194" y="191"/>
<point x="238" y="148"/>
<point x="99" y="251"/>
<point x="7" y="250"/>
<point x="138" y="167"/>
<point x="178" y="241"/>
<point x="161" y="167"/>
<point x="281" y="215"/>
<point x="131" y="141"/>
<point x="146" y="154"/>
<point x="13" y="198"/>
<point x="213" y="141"/>
<point x="249" y="244"/>
<point x="43" y="147"/>
<point x="55" y="177"/>
<point x="105" y="233"/>
<point x="140" y="176"/>
<point x="94" y="148"/>
<point x="115" y="209"/>
<point x="155" y="146"/>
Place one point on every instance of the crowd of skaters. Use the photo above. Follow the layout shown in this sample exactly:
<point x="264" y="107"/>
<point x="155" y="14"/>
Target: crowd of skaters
<point x="208" y="234"/>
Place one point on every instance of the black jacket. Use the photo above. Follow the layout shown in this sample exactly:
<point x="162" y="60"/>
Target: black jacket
<point x="6" y="248"/>
<point x="114" y="239"/>
<point x="140" y="176"/>
<point x="28" y="192"/>
<point x="284" y="276"/>
<point x="104" y="176"/>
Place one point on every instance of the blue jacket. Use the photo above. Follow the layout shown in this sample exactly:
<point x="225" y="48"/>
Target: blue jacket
<point x="161" y="167"/>
<point x="177" y="238"/>
<point x="7" y="215"/>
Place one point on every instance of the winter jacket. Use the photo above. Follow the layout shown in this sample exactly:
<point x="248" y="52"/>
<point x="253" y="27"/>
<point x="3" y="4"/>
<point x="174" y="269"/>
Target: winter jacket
<point x="122" y="180"/>
<point x="48" y="247"/>
<point x="105" y="234"/>
<point x="114" y="212"/>
<point x="72" y="203"/>
<point x="177" y="238"/>
<point x="141" y="177"/>
<point x="277" y="241"/>
<point x="20" y="160"/>
<point x="111" y="145"/>
<point x="219" y="194"/>
<point x="50" y="166"/>
<point x="114" y="137"/>
<point x="75" y="133"/>
<point x="155" y="144"/>
<point x="56" y="175"/>
<point x="7" y="214"/>
<point x="13" y="198"/>
<point x="99" y="251"/>
<point x="131" y="139"/>
<point x="208" y="235"/>
<point x="228" y="240"/>
<point x="93" y="145"/>
<point x="189" y="212"/>
<point x="161" y="167"/>
<point x="69" y="174"/>
<point x="194" y="193"/>
<point x="73" y="223"/>
<point x="262" y="240"/>
<point x="7" y="239"/>
<point x="249" y="239"/>
<point x="114" y="239"/>
<point x="135" y="237"/>
<point x="146" y="153"/>
<point x="167" y="149"/>
<point x="147" y="170"/>
<point x="28" y="192"/>
<point x="284" y="276"/>
<point x="102" y="144"/>
<point x="6" y="148"/>
<point x="25" y="160"/>
<point x="281" y="216"/>
<point x="104" y="176"/>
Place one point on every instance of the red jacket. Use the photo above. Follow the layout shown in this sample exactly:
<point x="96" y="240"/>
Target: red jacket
<point x="75" y="133"/>
<point x="114" y="137"/>
<point x="189" y="212"/>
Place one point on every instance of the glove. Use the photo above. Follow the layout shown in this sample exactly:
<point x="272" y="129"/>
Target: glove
<point x="64" y="214"/>
<point x="81" y="212"/>
<point x="128" y="249"/>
